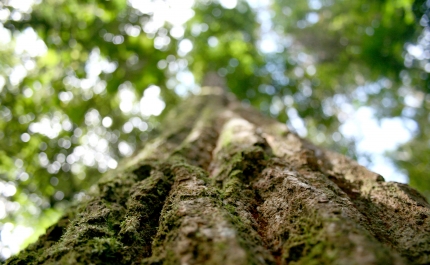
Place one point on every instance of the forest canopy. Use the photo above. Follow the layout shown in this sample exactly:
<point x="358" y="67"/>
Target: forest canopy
<point x="84" y="84"/>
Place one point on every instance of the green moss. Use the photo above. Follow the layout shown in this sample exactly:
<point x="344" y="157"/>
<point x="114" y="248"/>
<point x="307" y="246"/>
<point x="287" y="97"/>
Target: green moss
<point x="239" y="167"/>
<point x="307" y="243"/>
<point x="103" y="250"/>
<point x="226" y="138"/>
<point x="115" y="227"/>
<point x="244" y="163"/>
<point x="232" y="185"/>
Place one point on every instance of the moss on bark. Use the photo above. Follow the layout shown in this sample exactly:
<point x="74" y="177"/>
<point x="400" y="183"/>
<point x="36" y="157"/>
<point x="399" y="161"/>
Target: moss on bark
<point x="222" y="184"/>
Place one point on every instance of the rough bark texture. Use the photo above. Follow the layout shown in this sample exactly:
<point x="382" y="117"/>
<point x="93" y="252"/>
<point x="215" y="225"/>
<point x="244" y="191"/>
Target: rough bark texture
<point x="224" y="185"/>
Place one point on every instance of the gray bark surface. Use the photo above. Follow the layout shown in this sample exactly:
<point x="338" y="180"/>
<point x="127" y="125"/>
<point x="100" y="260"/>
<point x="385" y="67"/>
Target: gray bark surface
<point x="223" y="184"/>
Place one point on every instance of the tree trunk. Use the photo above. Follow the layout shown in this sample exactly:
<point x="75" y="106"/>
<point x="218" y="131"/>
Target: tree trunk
<point x="224" y="185"/>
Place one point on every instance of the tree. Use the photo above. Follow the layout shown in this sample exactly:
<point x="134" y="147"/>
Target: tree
<point x="223" y="184"/>
<point x="91" y="85"/>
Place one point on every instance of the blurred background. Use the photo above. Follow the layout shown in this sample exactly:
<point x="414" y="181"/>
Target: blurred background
<point x="83" y="83"/>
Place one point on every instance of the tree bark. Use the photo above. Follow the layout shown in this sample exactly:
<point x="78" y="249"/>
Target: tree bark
<point x="223" y="184"/>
